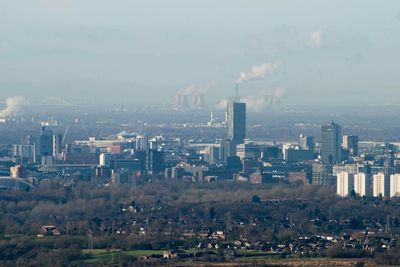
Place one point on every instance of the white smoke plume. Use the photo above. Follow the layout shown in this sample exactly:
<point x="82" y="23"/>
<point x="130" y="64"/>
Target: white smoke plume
<point x="315" y="39"/>
<point x="258" y="72"/>
<point x="197" y="89"/>
<point x="13" y="106"/>
<point x="223" y="104"/>
<point x="258" y="102"/>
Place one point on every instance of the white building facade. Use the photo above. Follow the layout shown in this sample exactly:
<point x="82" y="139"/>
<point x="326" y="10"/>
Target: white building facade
<point x="362" y="184"/>
<point x="395" y="185"/>
<point x="345" y="184"/>
<point x="381" y="185"/>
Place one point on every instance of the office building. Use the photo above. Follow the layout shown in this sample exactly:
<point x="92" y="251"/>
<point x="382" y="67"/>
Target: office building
<point x="322" y="174"/>
<point x="331" y="143"/>
<point x="46" y="142"/>
<point x="306" y="142"/>
<point x="350" y="168"/>
<point x="395" y="185"/>
<point x="297" y="155"/>
<point x="381" y="186"/>
<point x="24" y="153"/>
<point x="212" y="153"/>
<point x="271" y="152"/>
<point x="248" y="150"/>
<point x="350" y="144"/>
<point x="141" y="142"/>
<point x="141" y="155"/>
<point x="57" y="144"/>
<point x="128" y="165"/>
<point x="154" y="162"/>
<point x="107" y="159"/>
<point x="236" y="122"/>
<point x="362" y="184"/>
<point x="18" y="171"/>
<point x="229" y="150"/>
<point x="345" y="184"/>
<point x="46" y="146"/>
<point x="221" y="153"/>
<point x="80" y="154"/>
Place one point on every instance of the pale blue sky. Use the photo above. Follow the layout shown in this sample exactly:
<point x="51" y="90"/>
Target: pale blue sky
<point x="144" y="52"/>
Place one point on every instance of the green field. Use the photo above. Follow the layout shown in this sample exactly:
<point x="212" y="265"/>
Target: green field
<point x="243" y="258"/>
<point x="112" y="256"/>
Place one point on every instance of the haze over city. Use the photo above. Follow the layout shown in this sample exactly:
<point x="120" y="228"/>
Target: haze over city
<point x="93" y="52"/>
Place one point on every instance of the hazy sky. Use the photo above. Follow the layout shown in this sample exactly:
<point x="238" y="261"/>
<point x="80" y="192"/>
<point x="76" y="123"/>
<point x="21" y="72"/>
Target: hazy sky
<point x="144" y="52"/>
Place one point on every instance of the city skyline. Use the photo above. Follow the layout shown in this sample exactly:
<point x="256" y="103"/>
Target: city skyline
<point x="209" y="133"/>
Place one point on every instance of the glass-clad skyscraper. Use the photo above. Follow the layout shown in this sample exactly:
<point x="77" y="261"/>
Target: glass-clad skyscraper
<point x="331" y="143"/>
<point x="236" y="122"/>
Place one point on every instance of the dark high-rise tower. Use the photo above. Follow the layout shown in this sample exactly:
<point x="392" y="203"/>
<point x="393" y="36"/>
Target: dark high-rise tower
<point x="154" y="162"/>
<point x="46" y="142"/>
<point x="236" y="122"/>
<point x="331" y="143"/>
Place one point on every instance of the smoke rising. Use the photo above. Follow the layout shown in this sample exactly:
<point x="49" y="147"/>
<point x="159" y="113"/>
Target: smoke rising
<point x="197" y="89"/>
<point x="263" y="100"/>
<point x="258" y="102"/>
<point x="13" y="106"/>
<point x="258" y="72"/>
<point x="315" y="39"/>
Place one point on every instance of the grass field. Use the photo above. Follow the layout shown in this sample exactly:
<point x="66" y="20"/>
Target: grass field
<point x="247" y="258"/>
<point x="104" y="256"/>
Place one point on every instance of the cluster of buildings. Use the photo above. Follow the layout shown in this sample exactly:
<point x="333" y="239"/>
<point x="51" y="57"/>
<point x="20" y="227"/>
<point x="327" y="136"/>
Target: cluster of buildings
<point x="331" y="159"/>
<point x="43" y="149"/>
<point x="119" y="159"/>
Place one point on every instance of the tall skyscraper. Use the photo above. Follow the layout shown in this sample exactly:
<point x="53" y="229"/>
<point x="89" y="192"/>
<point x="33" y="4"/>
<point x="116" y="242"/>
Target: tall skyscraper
<point x="236" y="121"/>
<point x="350" y="143"/>
<point x="331" y="143"/>
<point x="46" y="146"/>
<point x="46" y="142"/>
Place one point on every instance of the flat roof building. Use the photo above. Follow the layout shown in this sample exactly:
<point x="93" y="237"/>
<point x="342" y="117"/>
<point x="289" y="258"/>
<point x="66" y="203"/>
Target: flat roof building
<point x="395" y="185"/>
<point x="362" y="184"/>
<point x="345" y="184"/>
<point x="381" y="187"/>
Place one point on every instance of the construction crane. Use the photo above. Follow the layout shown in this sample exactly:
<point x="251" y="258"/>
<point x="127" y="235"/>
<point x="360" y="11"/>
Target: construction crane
<point x="65" y="135"/>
